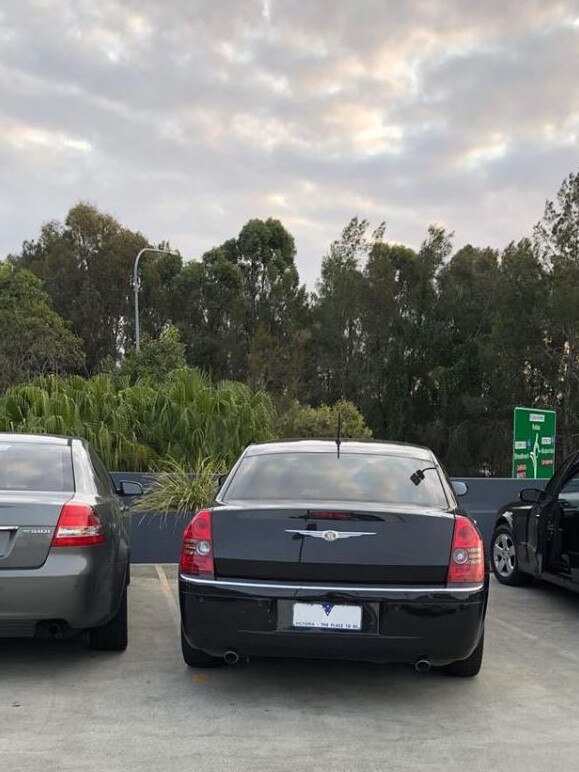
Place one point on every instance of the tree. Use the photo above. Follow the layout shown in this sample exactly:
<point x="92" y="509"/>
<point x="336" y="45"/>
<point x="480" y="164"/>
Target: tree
<point x="242" y="311"/>
<point x="33" y="338"/>
<point x="208" y="310"/>
<point x="557" y="243"/>
<point x="461" y="419"/>
<point x="86" y="265"/>
<point x="338" y="306"/>
<point x="385" y="392"/>
<point x="154" y="361"/>
<point x="322" y="422"/>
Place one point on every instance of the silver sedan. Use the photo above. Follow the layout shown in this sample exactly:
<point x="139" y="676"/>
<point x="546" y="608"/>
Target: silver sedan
<point x="64" y="548"/>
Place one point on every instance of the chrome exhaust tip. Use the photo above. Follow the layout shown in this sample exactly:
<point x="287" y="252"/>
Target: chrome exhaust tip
<point x="422" y="666"/>
<point x="231" y="657"/>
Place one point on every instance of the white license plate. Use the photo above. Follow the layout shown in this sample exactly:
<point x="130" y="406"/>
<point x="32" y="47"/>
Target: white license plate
<point x="327" y="616"/>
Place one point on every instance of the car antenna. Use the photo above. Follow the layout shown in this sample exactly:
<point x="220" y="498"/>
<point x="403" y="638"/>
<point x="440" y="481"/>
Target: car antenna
<point x="339" y="433"/>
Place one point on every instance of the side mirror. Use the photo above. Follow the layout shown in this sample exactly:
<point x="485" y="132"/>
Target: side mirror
<point x="129" y="488"/>
<point x="460" y="488"/>
<point x="530" y="495"/>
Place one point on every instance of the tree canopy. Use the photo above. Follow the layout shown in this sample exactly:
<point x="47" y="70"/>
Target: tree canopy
<point x="431" y="345"/>
<point x="33" y="337"/>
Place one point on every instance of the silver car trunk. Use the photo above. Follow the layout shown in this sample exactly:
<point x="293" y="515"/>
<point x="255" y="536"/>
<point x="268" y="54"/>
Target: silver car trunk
<point x="27" y="523"/>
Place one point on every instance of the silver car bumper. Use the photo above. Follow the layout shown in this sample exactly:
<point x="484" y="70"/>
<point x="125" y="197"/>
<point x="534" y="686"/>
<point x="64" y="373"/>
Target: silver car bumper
<point x="78" y="587"/>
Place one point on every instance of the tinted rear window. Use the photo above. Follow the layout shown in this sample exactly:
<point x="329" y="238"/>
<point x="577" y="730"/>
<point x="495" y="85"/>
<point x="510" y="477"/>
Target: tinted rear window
<point x="26" y="466"/>
<point x="325" y="477"/>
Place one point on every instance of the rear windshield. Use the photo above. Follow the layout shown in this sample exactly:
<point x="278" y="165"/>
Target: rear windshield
<point x="27" y="466"/>
<point x="357" y="477"/>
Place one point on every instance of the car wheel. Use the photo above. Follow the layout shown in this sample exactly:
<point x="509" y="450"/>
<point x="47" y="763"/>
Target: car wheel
<point x="469" y="667"/>
<point x="504" y="558"/>
<point x="114" y="635"/>
<point x="197" y="658"/>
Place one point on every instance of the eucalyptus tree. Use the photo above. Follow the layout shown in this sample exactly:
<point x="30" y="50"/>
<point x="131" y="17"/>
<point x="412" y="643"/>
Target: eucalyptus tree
<point x="86" y="265"/>
<point x="557" y="243"/>
<point x="34" y="339"/>
<point x="338" y="307"/>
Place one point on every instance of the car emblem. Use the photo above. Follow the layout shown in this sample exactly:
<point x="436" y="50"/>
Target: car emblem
<point x="332" y="535"/>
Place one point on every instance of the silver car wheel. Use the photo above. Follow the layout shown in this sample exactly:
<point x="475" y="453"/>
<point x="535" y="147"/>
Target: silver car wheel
<point x="504" y="555"/>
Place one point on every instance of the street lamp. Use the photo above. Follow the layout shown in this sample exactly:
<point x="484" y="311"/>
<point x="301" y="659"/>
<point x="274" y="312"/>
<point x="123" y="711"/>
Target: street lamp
<point x="136" y="289"/>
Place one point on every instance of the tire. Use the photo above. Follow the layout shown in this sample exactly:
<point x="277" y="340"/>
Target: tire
<point x="504" y="558"/>
<point x="197" y="658"/>
<point x="114" y="635"/>
<point x="469" y="667"/>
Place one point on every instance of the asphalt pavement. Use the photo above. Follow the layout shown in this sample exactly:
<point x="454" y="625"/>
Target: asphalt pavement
<point x="63" y="707"/>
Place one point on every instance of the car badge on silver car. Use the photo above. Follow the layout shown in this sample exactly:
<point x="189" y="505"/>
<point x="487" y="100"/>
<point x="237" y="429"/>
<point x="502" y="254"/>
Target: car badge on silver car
<point x="332" y="535"/>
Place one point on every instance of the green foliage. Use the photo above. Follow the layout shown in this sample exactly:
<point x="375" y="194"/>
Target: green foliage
<point x="429" y="345"/>
<point x="302" y="421"/>
<point x="155" y="360"/>
<point x="33" y="337"/>
<point x="179" y="488"/>
<point x="136" y="426"/>
<point x="86" y="264"/>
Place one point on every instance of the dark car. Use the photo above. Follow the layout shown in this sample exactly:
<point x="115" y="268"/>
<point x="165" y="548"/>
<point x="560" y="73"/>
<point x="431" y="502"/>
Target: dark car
<point x="538" y="536"/>
<point x="357" y="551"/>
<point x="64" y="551"/>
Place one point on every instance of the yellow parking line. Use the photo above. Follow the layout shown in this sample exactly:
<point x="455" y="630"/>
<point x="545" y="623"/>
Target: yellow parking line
<point x="168" y="593"/>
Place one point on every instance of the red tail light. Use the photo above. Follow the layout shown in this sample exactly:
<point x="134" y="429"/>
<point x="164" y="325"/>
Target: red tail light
<point x="78" y="526"/>
<point x="466" y="554"/>
<point x="197" y="548"/>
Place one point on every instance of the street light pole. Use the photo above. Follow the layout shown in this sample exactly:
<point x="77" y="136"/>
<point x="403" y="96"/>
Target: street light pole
<point x="136" y="289"/>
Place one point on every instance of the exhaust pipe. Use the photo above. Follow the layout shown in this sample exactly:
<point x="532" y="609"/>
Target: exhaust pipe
<point x="231" y="657"/>
<point x="422" y="665"/>
<point x="52" y="628"/>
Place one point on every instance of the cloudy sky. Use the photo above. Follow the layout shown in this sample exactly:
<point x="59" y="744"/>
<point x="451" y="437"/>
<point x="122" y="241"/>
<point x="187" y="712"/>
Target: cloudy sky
<point x="184" y="118"/>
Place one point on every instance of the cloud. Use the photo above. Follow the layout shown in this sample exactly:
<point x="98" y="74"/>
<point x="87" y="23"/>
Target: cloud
<point x="186" y="119"/>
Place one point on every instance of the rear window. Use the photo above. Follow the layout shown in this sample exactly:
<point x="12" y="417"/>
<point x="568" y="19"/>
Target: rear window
<point x="26" y="466"/>
<point x="325" y="477"/>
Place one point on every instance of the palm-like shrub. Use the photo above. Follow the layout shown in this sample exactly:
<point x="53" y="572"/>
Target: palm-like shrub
<point x="175" y="490"/>
<point x="135" y="427"/>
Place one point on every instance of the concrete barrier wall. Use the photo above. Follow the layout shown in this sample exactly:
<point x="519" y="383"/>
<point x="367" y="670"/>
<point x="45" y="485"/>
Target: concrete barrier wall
<point x="157" y="539"/>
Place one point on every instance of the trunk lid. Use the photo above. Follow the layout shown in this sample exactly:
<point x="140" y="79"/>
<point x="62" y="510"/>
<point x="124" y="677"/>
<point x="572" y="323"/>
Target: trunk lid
<point x="27" y="523"/>
<point x="360" y="543"/>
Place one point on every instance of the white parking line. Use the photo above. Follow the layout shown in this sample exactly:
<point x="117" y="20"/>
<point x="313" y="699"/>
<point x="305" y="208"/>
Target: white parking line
<point x="168" y="593"/>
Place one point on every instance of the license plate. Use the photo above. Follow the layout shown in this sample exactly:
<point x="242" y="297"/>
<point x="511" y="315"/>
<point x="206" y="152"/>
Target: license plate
<point x="327" y="616"/>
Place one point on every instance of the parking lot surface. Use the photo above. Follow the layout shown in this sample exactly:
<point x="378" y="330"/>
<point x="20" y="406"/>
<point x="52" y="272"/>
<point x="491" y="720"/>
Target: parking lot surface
<point x="63" y="707"/>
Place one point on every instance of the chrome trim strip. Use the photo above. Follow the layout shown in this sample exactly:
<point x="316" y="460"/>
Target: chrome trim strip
<point x="434" y="589"/>
<point x="8" y="527"/>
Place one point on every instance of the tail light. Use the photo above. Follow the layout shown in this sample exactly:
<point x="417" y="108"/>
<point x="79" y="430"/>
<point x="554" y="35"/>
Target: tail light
<point x="197" y="547"/>
<point x="78" y="526"/>
<point x="466" y="554"/>
<point x="323" y="515"/>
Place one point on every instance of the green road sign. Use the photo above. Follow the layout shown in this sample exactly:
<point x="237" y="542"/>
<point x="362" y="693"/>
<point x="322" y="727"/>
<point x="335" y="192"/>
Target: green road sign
<point x="533" y="442"/>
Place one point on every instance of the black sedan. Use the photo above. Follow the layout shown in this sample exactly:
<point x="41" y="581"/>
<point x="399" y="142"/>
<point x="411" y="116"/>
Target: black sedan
<point x="538" y="536"/>
<point x="313" y="549"/>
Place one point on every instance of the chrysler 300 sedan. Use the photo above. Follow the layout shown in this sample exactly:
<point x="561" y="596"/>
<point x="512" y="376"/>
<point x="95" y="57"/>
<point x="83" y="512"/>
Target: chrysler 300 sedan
<point x="352" y="550"/>
<point x="64" y="552"/>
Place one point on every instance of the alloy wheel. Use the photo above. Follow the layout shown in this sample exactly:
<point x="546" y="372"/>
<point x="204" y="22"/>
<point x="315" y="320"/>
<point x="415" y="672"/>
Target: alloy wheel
<point x="504" y="555"/>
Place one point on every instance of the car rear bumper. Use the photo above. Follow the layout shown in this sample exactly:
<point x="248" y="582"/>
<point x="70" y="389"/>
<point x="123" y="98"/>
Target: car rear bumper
<point x="399" y="624"/>
<point x="79" y="588"/>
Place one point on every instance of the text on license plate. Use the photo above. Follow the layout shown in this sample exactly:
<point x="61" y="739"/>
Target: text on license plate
<point x="327" y="616"/>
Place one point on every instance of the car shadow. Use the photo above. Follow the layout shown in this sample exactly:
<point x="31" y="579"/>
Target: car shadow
<point x="302" y="681"/>
<point x="27" y="651"/>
